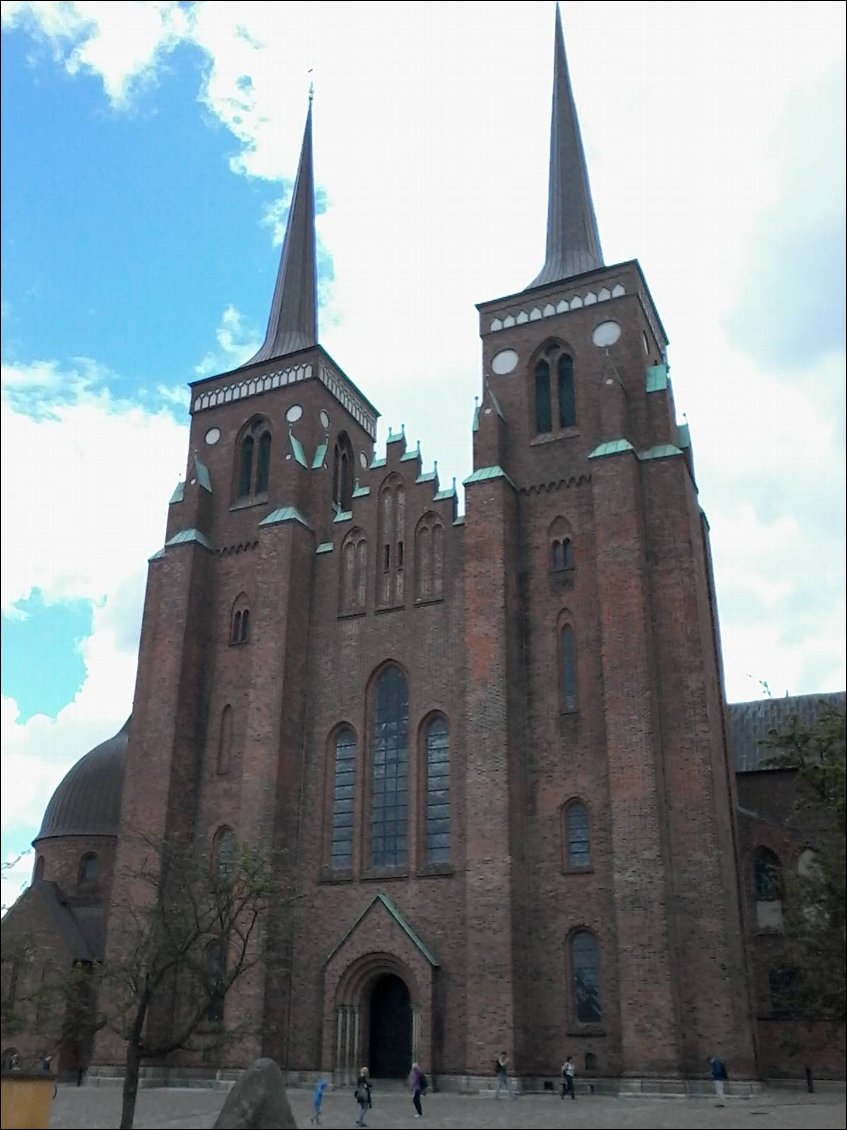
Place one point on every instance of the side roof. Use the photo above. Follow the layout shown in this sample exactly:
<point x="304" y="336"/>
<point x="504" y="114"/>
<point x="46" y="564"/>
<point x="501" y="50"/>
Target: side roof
<point x="749" y="723"/>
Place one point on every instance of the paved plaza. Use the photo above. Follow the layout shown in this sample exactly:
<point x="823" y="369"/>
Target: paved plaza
<point x="98" y="1108"/>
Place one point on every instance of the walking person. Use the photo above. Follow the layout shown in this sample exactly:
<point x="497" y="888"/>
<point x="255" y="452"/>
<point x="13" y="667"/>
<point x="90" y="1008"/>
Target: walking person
<point x="362" y="1094"/>
<point x="568" y="1072"/>
<point x="317" y="1099"/>
<point x="417" y="1085"/>
<point x="719" y="1076"/>
<point x="503" y="1080"/>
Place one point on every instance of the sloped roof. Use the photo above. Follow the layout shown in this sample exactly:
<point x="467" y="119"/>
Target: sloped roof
<point x="749" y="723"/>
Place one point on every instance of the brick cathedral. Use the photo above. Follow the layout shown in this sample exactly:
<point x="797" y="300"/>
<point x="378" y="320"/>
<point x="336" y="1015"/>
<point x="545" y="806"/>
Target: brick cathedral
<point x="492" y="748"/>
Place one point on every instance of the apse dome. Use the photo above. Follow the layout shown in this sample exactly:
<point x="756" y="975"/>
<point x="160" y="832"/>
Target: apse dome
<point x="88" y="801"/>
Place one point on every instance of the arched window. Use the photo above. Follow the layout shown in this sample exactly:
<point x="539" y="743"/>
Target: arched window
<point x="215" y="982"/>
<point x="567" y="398"/>
<point x="342" y="473"/>
<point x="88" y="867"/>
<point x="567" y="668"/>
<point x="225" y="740"/>
<point x="392" y="525"/>
<point x="429" y="558"/>
<point x="223" y="853"/>
<point x="264" y="468"/>
<point x="343" y="800"/>
<point x="783" y="983"/>
<point x="389" y="783"/>
<point x="254" y="461"/>
<point x="767" y="872"/>
<point x="578" y="843"/>
<point x="560" y="540"/>
<point x="354" y="562"/>
<point x="585" y="978"/>
<point x="590" y="1061"/>
<point x="240" y="625"/>
<point x="543" y="408"/>
<point x="767" y="879"/>
<point x="555" y="390"/>
<point x="39" y="867"/>
<point x="438" y="792"/>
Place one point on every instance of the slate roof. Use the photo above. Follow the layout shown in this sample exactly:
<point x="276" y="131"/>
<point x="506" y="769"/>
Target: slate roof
<point x="749" y="723"/>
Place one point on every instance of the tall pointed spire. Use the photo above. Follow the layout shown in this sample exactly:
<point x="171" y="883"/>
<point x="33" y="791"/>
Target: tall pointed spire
<point x="293" y="321"/>
<point x="573" y="242"/>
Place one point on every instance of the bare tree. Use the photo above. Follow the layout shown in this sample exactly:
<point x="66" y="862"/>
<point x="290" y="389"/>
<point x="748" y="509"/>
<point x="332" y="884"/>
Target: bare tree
<point x="188" y="930"/>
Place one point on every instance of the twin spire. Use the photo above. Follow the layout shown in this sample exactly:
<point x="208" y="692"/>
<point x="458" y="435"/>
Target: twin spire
<point x="573" y="243"/>
<point x="293" y="322"/>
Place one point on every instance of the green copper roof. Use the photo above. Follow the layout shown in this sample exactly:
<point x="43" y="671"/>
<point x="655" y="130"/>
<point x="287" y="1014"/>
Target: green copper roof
<point x="683" y="435"/>
<point x="414" y="453"/>
<point x="395" y="437"/>
<point x="377" y="462"/>
<point x="343" y="516"/>
<point x="360" y="492"/>
<point x="661" y="452"/>
<point x="451" y="493"/>
<point x="613" y="447"/>
<point x="485" y="473"/>
<point x="325" y="547"/>
<point x="203" y="476"/>
<point x="297" y="449"/>
<point x="427" y="477"/>
<point x="385" y="901"/>
<point x="656" y="378"/>
<point x="185" y="536"/>
<point x="178" y="494"/>
<point x="285" y="514"/>
<point x="320" y="454"/>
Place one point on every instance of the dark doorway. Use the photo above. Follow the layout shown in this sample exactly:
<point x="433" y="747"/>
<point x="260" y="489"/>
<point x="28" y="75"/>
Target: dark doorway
<point x="390" y="1052"/>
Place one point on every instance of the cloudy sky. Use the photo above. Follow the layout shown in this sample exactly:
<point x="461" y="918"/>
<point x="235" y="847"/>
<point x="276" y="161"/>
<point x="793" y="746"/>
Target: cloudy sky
<point x="148" y="151"/>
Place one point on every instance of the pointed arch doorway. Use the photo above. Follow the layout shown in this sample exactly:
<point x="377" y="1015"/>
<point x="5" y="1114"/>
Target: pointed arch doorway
<point x="390" y="1043"/>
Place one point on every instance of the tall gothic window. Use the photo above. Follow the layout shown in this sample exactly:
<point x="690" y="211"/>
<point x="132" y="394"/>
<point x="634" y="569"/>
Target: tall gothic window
<point x="579" y="847"/>
<point x="389" y="786"/>
<point x="225" y="740"/>
<point x="543" y="407"/>
<point x="254" y="461"/>
<point x="392" y="526"/>
<point x="567" y="664"/>
<point x="342" y="473"/>
<point x="429" y="558"/>
<point x="223" y="853"/>
<point x="343" y="799"/>
<point x="767" y="877"/>
<point x="585" y="977"/>
<point x="354" y="560"/>
<point x="438" y="792"/>
<point x="567" y="397"/>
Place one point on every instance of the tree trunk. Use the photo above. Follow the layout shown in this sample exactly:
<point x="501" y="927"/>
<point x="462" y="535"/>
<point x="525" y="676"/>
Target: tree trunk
<point x="130" y="1091"/>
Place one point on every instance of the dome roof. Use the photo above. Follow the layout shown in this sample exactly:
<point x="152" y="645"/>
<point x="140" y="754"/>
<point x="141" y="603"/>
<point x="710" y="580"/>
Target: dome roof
<point x="88" y="801"/>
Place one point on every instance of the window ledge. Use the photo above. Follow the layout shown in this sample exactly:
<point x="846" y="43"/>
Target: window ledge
<point x="381" y="874"/>
<point x="390" y="608"/>
<point x="435" y="870"/>
<point x="422" y="601"/>
<point x="344" y="875"/>
<point x="552" y="437"/>
<point x="592" y="1030"/>
<point x="252" y="500"/>
<point x="353" y="614"/>
<point x="578" y="870"/>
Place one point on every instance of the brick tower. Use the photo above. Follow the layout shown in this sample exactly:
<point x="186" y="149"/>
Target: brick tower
<point x="488" y="750"/>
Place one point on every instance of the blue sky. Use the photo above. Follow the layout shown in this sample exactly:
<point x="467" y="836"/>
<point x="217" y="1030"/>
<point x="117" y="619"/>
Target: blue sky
<point x="147" y="157"/>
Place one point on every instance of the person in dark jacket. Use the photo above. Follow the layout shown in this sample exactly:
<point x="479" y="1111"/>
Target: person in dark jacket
<point x="417" y="1085"/>
<point x="363" y="1095"/>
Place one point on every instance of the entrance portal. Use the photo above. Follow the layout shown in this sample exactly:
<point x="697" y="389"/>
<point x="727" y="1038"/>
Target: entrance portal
<point x="390" y="1051"/>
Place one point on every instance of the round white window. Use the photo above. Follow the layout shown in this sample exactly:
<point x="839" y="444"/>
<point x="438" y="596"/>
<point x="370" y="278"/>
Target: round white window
<point x="294" y="413"/>
<point x="363" y="460"/>
<point x="324" y="420"/>
<point x="606" y="334"/>
<point x="504" y="362"/>
<point x="212" y="436"/>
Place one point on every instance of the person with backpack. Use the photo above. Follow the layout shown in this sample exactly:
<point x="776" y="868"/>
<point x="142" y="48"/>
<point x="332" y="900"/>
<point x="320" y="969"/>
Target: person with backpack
<point x="719" y="1077"/>
<point x="417" y="1085"/>
<point x="362" y="1095"/>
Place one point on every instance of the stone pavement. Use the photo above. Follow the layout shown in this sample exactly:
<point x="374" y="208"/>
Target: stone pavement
<point x="98" y="1108"/>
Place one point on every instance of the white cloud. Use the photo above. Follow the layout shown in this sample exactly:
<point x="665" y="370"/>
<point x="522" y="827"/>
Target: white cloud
<point x="236" y="344"/>
<point x="123" y="44"/>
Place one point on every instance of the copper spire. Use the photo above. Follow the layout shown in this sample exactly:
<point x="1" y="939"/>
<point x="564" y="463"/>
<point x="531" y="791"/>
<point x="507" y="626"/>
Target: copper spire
<point x="573" y="242"/>
<point x="293" y="321"/>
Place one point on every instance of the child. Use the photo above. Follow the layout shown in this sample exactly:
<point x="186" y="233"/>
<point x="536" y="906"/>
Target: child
<point x="317" y="1099"/>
